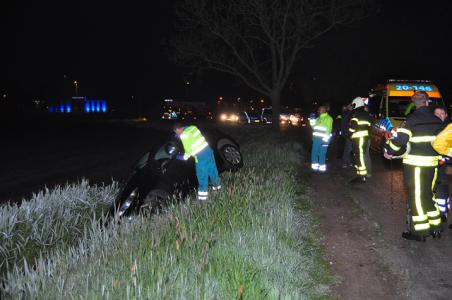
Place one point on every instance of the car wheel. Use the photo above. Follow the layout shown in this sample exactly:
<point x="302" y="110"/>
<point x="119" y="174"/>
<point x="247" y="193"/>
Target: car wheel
<point x="154" y="201"/>
<point x="232" y="158"/>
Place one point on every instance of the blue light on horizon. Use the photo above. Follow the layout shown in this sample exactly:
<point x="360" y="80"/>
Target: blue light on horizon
<point x="104" y="106"/>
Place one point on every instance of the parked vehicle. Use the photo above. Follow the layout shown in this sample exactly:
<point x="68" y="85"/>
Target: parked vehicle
<point x="158" y="175"/>
<point x="389" y="104"/>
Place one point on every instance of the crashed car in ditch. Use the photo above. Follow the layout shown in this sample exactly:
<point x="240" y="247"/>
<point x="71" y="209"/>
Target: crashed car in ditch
<point x="158" y="175"/>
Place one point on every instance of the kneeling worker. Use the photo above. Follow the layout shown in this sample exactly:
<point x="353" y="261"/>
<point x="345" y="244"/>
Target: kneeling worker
<point x="195" y="145"/>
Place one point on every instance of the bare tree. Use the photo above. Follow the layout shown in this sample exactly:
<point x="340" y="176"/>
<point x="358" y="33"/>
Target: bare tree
<point x="257" y="40"/>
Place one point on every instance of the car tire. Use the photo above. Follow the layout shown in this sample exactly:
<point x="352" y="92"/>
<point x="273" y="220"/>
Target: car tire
<point x="231" y="156"/>
<point x="154" y="201"/>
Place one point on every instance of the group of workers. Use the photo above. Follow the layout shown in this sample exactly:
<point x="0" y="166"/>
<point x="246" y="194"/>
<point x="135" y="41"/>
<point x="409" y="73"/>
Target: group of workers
<point x="423" y="141"/>
<point x="352" y="136"/>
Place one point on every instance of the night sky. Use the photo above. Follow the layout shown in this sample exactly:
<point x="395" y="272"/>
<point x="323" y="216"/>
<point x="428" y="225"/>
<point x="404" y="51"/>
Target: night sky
<point x="115" y="50"/>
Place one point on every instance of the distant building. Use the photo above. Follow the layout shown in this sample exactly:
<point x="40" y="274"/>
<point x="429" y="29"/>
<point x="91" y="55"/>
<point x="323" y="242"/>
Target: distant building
<point x="77" y="105"/>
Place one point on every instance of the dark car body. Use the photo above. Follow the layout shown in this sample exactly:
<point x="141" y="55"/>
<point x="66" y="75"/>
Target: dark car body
<point x="158" y="175"/>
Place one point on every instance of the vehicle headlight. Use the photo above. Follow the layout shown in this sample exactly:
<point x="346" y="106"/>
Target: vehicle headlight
<point x="223" y="117"/>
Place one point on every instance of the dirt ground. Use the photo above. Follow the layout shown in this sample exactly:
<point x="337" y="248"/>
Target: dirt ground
<point x="362" y="226"/>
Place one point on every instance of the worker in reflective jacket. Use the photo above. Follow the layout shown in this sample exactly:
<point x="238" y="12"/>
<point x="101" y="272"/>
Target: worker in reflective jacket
<point x="441" y="188"/>
<point x="321" y="135"/>
<point x="420" y="168"/>
<point x="196" y="146"/>
<point x="360" y="122"/>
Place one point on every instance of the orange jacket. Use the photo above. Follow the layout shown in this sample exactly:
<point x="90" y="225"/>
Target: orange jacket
<point x="443" y="141"/>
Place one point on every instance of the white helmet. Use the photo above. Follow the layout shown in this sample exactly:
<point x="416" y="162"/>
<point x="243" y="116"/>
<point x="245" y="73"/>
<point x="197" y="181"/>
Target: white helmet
<point x="358" y="102"/>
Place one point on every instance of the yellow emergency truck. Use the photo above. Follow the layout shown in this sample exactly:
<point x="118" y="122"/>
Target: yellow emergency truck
<point x="390" y="104"/>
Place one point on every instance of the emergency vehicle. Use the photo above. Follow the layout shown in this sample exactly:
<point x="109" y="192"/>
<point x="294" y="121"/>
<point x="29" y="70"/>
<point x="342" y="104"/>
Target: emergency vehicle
<point x="390" y="104"/>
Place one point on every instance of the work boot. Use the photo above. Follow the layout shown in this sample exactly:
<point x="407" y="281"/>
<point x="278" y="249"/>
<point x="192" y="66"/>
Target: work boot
<point x="216" y="188"/>
<point x="408" y="235"/>
<point x="358" y="179"/>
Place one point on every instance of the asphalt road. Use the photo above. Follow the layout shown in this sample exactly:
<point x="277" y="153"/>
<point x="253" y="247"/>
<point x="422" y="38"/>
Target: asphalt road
<point x="38" y="154"/>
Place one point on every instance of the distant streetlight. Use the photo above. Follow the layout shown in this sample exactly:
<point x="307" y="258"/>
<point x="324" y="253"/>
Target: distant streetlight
<point x="4" y="96"/>
<point x="76" y="88"/>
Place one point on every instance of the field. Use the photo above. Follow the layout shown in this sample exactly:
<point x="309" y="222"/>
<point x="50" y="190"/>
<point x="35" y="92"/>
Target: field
<point x="255" y="239"/>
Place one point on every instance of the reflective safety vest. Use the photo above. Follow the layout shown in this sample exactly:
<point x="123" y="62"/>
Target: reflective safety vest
<point x="360" y="123"/>
<point x="322" y="126"/>
<point x="193" y="141"/>
<point x="419" y="130"/>
<point x="443" y="141"/>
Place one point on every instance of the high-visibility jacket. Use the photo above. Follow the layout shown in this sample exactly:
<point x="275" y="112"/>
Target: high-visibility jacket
<point x="443" y="141"/>
<point x="420" y="130"/>
<point x="322" y="126"/>
<point x="193" y="141"/>
<point x="360" y="122"/>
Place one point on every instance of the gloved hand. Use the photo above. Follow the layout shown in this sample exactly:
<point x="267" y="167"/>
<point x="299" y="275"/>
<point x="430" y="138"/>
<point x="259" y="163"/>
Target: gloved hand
<point x="180" y="157"/>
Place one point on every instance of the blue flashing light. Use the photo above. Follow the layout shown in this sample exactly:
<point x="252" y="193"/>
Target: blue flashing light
<point x="87" y="108"/>
<point x="68" y="107"/>
<point x="104" y="106"/>
<point x="61" y="107"/>
<point x="50" y="108"/>
<point x="97" y="106"/>
<point x="93" y="106"/>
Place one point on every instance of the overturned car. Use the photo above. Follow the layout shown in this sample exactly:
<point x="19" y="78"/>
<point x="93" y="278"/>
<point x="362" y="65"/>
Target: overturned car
<point x="158" y="175"/>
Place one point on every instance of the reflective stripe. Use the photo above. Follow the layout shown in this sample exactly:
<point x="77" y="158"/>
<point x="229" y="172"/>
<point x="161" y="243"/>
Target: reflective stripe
<point x="315" y="166"/>
<point x="441" y="201"/>
<point x="351" y="130"/>
<point x="319" y="134"/>
<point x="421" y="161"/>
<point x="419" y="227"/>
<point x="417" y="191"/>
<point x="202" y="193"/>
<point x="354" y="119"/>
<point x="419" y="218"/>
<point x="435" y="221"/>
<point x="197" y="150"/>
<point x="394" y="147"/>
<point x="359" y="134"/>
<point x="433" y="214"/>
<point x="362" y="170"/>
<point x="422" y="139"/>
<point x="320" y="128"/>
<point x="406" y="131"/>
<point x="364" y="123"/>
<point x="198" y="142"/>
<point x="322" y="168"/>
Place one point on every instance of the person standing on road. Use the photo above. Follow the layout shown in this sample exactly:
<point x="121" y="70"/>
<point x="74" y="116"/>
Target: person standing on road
<point x="322" y="128"/>
<point x="347" y="152"/>
<point x="420" y="167"/>
<point x="196" y="146"/>
<point x="360" y="122"/>
<point x="441" y="188"/>
<point x="367" y="150"/>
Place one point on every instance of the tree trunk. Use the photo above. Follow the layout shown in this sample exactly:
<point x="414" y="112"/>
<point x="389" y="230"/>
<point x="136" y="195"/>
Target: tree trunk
<point x="276" y="108"/>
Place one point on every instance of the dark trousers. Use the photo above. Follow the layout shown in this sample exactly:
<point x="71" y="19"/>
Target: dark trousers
<point x="441" y="190"/>
<point x="424" y="213"/>
<point x="340" y="146"/>
<point x="359" y="146"/>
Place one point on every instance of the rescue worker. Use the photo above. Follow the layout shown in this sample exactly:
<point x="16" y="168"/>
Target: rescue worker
<point x="321" y="135"/>
<point x="196" y="146"/>
<point x="347" y="154"/>
<point x="441" y="188"/>
<point x="360" y="122"/>
<point x="420" y="168"/>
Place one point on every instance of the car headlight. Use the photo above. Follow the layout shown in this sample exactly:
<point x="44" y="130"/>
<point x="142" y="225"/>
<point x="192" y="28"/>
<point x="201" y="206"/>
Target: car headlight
<point x="223" y="117"/>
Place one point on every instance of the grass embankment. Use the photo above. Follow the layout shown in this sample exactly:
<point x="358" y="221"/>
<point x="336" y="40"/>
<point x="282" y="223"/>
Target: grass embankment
<point x="255" y="239"/>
